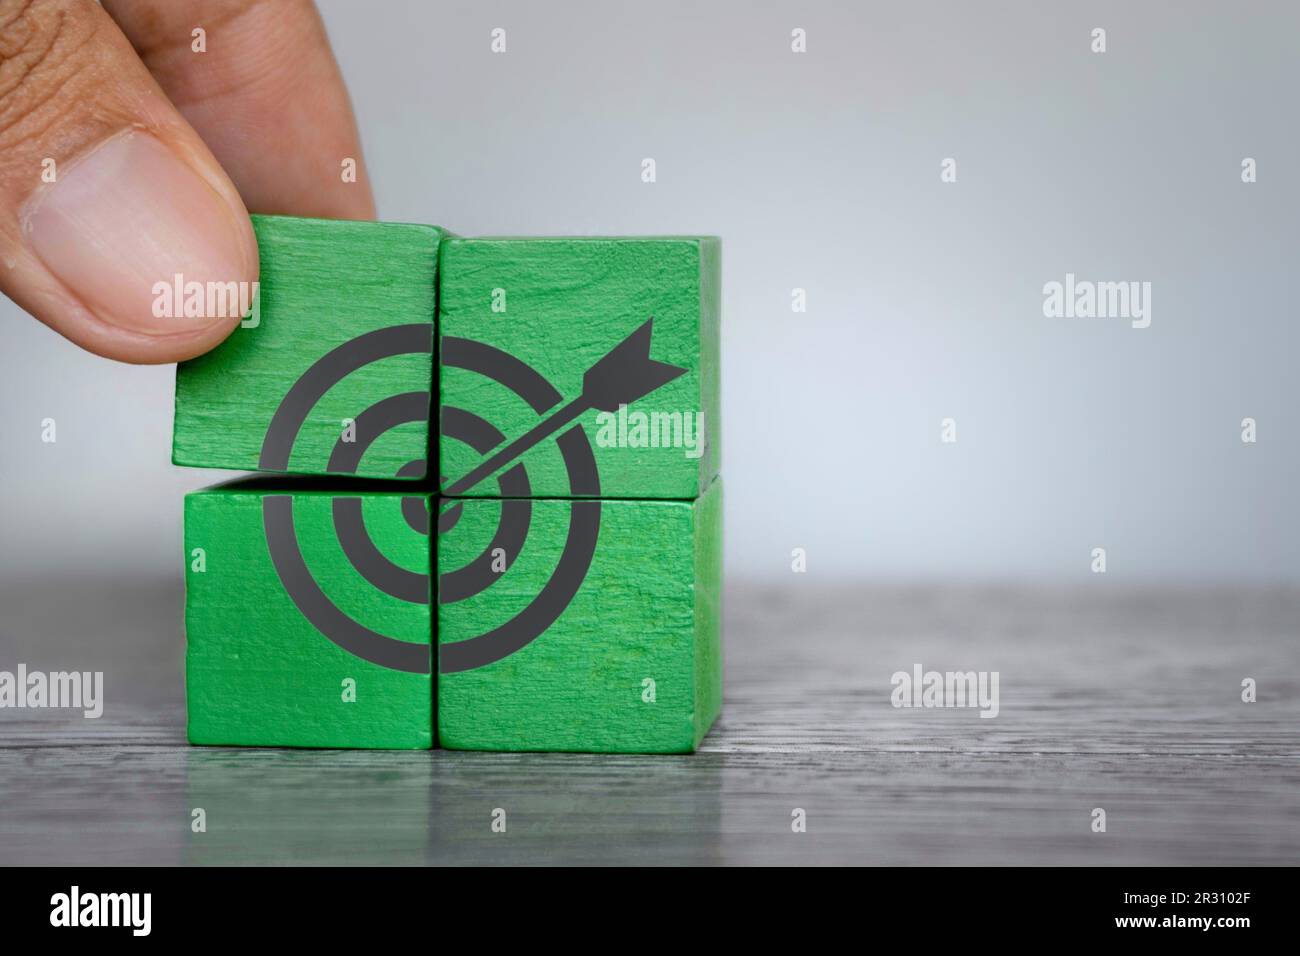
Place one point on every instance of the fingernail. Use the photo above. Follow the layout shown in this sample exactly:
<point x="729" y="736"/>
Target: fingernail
<point x="120" y="225"/>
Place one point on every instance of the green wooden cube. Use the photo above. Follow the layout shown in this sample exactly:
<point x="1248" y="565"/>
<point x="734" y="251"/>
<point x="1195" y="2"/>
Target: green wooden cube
<point x="528" y="330"/>
<point x="307" y="616"/>
<point x="339" y="349"/>
<point x="580" y="625"/>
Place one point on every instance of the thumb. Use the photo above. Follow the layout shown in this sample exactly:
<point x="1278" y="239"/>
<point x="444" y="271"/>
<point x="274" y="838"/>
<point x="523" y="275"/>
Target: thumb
<point x="105" y="192"/>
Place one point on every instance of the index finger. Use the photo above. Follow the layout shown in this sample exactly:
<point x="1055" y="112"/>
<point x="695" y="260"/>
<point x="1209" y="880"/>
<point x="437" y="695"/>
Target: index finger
<point x="259" y="83"/>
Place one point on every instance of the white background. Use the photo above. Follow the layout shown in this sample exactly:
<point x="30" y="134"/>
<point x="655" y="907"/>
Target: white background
<point x="821" y="171"/>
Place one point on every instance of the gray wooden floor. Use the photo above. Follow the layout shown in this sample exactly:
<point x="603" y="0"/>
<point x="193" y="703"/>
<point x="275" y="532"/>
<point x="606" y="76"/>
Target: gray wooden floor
<point x="1125" y="700"/>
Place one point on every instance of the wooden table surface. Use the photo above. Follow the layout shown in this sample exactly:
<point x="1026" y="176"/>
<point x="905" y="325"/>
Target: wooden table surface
<point x="1129" y="700"/>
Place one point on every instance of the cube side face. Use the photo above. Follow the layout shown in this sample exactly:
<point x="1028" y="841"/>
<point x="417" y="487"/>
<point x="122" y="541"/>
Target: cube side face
<point x="323" y="284"/>
<point x="708" y="609"/>
<point x="257" y="672"/>
<point x="616" y="672"/>
<point x="710" y="462"/>
<point x="560" y="305"/>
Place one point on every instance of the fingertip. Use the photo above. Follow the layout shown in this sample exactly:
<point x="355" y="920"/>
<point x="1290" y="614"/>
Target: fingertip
<point x="141" y="239"/>
<point x="71" y="319"/>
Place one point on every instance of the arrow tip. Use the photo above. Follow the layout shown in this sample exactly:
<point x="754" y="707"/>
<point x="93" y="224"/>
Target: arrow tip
<point x="627" y="372"/>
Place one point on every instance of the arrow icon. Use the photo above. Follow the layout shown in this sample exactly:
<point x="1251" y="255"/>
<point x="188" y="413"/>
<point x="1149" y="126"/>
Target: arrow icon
<point x="620" y="377"/>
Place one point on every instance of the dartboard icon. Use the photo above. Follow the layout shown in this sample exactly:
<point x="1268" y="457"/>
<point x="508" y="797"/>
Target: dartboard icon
<point x="620" y="377"/>
<point x="349" y="524"/>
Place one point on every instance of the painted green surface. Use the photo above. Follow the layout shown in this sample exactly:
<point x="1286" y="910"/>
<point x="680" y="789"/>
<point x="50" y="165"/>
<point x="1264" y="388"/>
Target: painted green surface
<point x="566" y="303"/>
<point x="257" y="673"/>
<point x="648" y="609"/>
<point x="322" y="283"/>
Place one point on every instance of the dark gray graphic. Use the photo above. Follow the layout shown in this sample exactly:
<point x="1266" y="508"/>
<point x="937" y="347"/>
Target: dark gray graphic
<point x="622" y="376"/>
<point x="277" y="510"/>
<point x="516" y="510"/>
<point x="348" y="522"/>
<point x="512" y="527"/>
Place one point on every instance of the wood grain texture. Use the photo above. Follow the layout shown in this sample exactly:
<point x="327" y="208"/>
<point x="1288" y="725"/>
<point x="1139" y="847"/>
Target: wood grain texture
<point x="632" y="665"/>
<point x="257" y="672"/>
<point x="1111" y="696"/>
<point x="322" y="284"/>
<point x="561" y="304"/>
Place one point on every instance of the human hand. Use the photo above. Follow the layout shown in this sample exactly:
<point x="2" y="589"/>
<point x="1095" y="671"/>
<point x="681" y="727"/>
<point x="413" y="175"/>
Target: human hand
<point x="128" y="156"/>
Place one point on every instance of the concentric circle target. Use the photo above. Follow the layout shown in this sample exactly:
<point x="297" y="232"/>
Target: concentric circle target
<point x="349" y="522"/>
<point x="516" y="515"/>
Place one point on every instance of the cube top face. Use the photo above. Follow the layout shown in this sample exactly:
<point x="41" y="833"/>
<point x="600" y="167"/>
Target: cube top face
<point x="615" y="339"/>
<point x="628" y="657"/>
<point x="333" y="372"/>
<point x="263" y="668"/>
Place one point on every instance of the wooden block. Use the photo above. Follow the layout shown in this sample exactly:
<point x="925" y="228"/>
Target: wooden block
<point x="343" y="334"/>
<point x="602" y="633"/>
<point x="307" y="616"/>
<point x="527" y="327"/>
